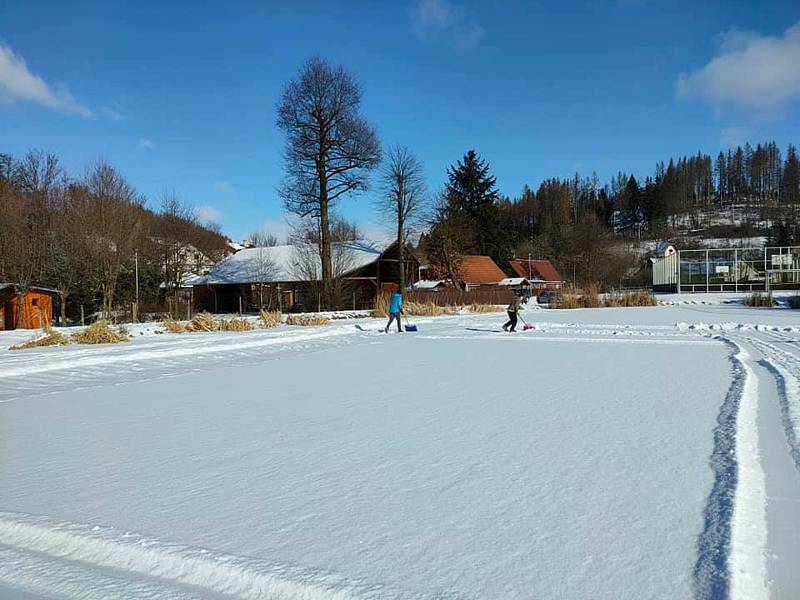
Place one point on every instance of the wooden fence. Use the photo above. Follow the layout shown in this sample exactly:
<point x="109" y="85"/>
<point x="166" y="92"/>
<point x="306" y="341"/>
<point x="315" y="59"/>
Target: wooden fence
<point x="454" y="297"/>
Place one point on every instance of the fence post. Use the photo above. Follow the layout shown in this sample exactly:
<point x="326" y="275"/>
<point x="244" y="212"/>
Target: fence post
<point x="240" y="305"/>
<point x="82" y="321"/>
<point x="708" y="268"/>
<point x="735" y="269"/>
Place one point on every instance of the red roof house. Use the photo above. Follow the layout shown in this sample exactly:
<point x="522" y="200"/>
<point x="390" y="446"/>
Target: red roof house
<point x="477" y="271"/>
<point x="537" y="271"/>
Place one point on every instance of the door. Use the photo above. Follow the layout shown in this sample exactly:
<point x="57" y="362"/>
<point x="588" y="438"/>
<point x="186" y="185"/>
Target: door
<point x="8" y="316"/>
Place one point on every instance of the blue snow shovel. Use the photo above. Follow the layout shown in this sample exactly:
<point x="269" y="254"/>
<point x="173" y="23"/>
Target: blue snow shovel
<point x="409" y="326"/>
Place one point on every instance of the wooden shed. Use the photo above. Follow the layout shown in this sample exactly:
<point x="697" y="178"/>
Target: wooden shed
<point x="37" y="306"/>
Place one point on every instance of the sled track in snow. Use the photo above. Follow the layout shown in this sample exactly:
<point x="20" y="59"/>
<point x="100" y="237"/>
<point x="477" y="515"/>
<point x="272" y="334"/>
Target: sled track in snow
<point x="50" y="546"/>
<point x="731" y="559"/>
<point x="713" y="546"/>
<point x="785" y="367"/>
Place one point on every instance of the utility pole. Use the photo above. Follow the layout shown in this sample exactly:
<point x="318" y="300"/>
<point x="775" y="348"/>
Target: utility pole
<point x="136" y="278"/>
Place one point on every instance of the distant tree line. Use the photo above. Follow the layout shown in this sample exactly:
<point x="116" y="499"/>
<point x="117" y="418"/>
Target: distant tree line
<point x="579" y="223"/>
<point x="83" y="236"/>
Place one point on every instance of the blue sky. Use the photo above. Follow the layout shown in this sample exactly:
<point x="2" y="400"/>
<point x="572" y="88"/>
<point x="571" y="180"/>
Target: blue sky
<point x="181" y="95"/>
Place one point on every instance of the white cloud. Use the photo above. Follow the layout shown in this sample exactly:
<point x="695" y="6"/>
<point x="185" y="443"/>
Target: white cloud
<point x="18" y="83"/>
<point x="439" y="20"/>
<point x="208" y="214"/>
<point x="147" y="144"/>
<point x="223" y="186"/>
<point x="750" y="71"/>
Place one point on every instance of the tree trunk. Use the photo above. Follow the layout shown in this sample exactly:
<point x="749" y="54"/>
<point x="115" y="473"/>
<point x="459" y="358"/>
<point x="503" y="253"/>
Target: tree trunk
<point x="325" y="241"/>
<point x="401" y="239"/>
<point x="62" y="300"/>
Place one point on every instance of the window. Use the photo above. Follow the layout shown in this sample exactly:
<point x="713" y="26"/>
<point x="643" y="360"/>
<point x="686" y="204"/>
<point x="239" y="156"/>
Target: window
<point x="35" y="302"/>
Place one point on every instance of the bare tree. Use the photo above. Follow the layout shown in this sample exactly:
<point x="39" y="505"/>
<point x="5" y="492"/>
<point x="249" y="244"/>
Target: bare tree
<point x="173" y="237"/>
<point x="116" y="227"/>
<point x="24" y="219"/>
<point x="37" y="172"/>
<point x="69" y="252"/>
<point x="263" y="270"/>
<point x="306" y="264"/>
<point x="402" y="197"/>
<point x="262" y="239"/>
<point x="330" y="148"/>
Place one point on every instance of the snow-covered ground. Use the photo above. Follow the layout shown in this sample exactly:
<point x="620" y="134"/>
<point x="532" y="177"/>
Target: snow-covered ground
<point x="610" y="453"/>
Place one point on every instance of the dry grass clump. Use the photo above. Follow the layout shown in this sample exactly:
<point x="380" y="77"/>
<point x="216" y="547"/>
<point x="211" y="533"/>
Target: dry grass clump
<point x="173" y="326"/>
<point x="614" y="300"/>
<point x="484" y="308"/>
<point x="591" y="297"/>
<point x="566" y="301"/>
<point x="203" y="322"/>
<point x="307" y="320"/>
<point x="423" y="309"/>
<point x="639" y="299"/>
<point x="235" y="324"/>
<point x="759" y="299"/>
<point x="99" y="332"/>
<point x="270" y="318"/>
<point x="428" y="309"/>
<point x="381" y="307"/>
<point x="50" y="338"/>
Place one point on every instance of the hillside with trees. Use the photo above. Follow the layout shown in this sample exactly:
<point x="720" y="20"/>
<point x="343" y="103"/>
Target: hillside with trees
<point x="86" y="236"/>
<point x="596" y="233"/>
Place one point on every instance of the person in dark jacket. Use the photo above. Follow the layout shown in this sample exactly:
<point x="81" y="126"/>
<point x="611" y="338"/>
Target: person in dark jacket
<point x="395" y="310"/>
<point x="512" y="311"/>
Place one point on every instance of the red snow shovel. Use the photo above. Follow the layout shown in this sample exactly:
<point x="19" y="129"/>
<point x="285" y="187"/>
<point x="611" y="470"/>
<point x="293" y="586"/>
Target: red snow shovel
<point x="527" y="326"/>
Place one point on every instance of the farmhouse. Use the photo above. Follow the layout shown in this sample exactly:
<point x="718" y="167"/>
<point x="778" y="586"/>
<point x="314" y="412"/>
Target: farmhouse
<point x="480" y="272"/>
<point x="36" y="306"/>
<point x="541" y="274"/>
<point x="288" y="277"/>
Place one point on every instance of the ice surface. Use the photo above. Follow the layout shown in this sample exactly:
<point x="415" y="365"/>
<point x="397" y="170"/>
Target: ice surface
<point x="458" y="462"/>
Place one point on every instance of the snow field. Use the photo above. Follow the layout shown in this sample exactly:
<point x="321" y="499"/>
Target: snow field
<point x="459" y="462"/>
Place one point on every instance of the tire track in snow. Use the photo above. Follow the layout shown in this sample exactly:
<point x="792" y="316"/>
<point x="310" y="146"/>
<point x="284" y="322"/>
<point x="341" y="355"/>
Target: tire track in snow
<point x="785" y="367"/>
<point x="99" y="549"/>
<point x="731" y="560"/>
<point x="100" y="358"/>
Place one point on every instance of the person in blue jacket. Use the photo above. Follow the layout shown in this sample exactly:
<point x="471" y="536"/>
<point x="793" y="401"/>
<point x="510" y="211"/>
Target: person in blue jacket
<point x="395" y="310"/>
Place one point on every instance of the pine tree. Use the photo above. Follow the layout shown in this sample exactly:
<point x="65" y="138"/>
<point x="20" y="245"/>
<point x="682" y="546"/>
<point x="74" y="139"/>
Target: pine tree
<point x="471" y="192"/>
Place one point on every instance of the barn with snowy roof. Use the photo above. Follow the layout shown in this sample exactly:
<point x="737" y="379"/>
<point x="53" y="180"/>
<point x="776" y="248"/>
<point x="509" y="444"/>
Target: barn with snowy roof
<point x="288" y="277"/>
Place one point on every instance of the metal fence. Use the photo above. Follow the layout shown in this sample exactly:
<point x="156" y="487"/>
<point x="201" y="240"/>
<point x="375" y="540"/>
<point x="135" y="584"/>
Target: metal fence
<point x="729" y="270"/>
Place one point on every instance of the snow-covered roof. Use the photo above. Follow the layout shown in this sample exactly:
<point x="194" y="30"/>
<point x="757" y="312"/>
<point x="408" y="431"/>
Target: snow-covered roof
<point x="16" y="286"/>
<point x="288" y="263"/>
<point x="188" y="280"/>
<point x="663" y="247"/>
<point x="427" y="284"/>
<point x="512" y="281"/>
